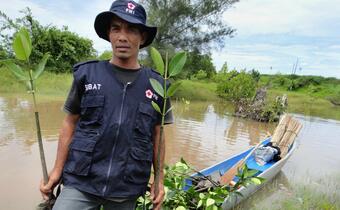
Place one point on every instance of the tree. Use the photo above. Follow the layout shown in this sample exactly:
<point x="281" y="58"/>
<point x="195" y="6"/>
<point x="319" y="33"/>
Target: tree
<point x="188" y="24"/>
<point x="106" y="55"/>
<point x="224" y="68"/>
<point x="65" y="47"/>
<point x="196" y="62"/>
<point x="2" y="53"/>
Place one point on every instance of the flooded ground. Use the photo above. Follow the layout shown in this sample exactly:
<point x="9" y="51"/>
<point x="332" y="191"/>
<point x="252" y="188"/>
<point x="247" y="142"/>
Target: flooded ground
<point x="203" y="134"/>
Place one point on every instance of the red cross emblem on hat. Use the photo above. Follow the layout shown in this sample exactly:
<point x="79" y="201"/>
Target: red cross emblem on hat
<point x="148" y="93"/>
<point x="131" y="6"/>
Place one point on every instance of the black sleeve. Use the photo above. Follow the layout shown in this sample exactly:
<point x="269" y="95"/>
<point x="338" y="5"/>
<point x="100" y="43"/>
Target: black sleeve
<point x="72" y="103"/>
<point x="168" y="119"/>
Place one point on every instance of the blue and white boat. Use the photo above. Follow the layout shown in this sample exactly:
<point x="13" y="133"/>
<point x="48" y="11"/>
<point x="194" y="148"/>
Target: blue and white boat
<point x="267" y="171"/>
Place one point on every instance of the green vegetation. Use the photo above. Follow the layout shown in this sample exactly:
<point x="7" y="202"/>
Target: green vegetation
<point x="197" y="90"/>
<point x="186" y="29"/>
<point x="167" y="70"/>
<point x="51" y="85"/>
<point x="65" y="47"/>
<point x="235" y="86"/>
<point x="56" y="86"/>
<point x="315" y="95"/>
<point x="198" y="66"/>
<point x="323" y="195"/>
<point x="210" y="199"/>
<point x="241" y="88"/>
<point x="22" y="48"/>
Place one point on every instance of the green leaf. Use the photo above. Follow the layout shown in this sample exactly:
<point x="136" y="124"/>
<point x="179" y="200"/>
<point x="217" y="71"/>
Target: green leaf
<point x="182" y="165"/>
<point x="199" y="203"/>
<point x="201" y="195"/>
<point x="22" y="45"/>
<point x="157" y="60"/>
<point x="256" y="180"/>
<point x="16" y="70"/>
<point x="180" y="208"/>
<point x="173" y="88"/>
<point x="177" y="63"/>
<point x="156" y="107"/>
<point x="41" y="66"/>
<point x="157" y="87"/>
<point x="251" y="173"/>
<point x="210" y="202"/>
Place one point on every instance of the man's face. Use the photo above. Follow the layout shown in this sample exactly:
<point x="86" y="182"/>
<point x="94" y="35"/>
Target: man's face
<point x="125" y="39"/>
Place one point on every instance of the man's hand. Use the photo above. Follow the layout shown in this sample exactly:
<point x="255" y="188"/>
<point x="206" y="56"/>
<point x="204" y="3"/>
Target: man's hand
<point x="157" y="200"/>
<point x="53" y="180"/>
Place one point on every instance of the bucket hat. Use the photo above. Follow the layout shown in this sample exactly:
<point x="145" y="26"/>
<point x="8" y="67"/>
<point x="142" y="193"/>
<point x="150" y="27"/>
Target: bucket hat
<point x="129" y="11"/>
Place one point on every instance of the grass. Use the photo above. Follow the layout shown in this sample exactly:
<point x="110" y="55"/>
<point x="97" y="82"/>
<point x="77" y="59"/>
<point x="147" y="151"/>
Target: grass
<point x="197" y="90"/>
<point x="307" y="104"/>
<point x="49" y="85"/>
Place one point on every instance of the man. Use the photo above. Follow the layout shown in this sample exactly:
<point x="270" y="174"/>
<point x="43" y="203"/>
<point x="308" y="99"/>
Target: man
<point x="109" y="137"/>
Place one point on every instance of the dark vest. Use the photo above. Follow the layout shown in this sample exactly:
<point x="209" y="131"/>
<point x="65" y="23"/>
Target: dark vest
<point x="111" y="151"/>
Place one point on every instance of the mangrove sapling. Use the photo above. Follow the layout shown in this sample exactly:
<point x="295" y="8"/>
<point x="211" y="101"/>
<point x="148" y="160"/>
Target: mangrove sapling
<point x="176" y="180"/>
<point x="22" y="47"/>
<point x="166" y="70"/>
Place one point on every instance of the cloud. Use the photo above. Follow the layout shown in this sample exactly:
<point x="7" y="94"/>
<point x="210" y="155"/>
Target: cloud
<point x="271" y="58"/>
<point x="273" y="34"/>
<point x="299" y="17"/>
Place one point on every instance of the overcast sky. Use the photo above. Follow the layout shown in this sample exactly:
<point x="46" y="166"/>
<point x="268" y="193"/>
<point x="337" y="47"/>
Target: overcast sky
<point x="271" y="34"/>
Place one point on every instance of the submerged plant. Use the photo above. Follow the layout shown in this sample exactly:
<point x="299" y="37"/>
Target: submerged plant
<point x="22" y="47"/>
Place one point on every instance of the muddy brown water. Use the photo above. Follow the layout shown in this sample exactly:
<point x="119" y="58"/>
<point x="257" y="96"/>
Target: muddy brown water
<point x="204" y="133"/>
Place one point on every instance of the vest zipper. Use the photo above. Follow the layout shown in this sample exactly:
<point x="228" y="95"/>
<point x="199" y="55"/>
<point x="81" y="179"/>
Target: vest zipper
<point x="116" y="137"/>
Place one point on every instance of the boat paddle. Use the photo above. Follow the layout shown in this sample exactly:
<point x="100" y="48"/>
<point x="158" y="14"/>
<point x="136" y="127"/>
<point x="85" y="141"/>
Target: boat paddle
<point x="228" y="176"/>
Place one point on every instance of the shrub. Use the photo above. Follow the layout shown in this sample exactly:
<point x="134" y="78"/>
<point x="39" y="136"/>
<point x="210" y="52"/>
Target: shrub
<point x="255" y="74"/>
<point x="65" y="47"/>
<point x="201" y="74"/>
<point x="237" y="88"/>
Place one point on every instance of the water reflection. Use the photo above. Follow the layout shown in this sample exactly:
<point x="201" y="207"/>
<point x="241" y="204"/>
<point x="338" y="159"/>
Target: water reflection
<point x="17" y="121"/>
<point x="247" y="129"/>
<point x="203" y="137"/>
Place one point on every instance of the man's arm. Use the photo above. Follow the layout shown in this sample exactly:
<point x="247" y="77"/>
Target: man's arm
<point x="65" y="136"/>
<point x="158" y="199"/>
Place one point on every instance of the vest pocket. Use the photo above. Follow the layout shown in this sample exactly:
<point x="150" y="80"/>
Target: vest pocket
<point x="80" y="157"/>
<point x="138" y="166"/>
<point x="145" y="120"/>
<point x="91" y="110"/>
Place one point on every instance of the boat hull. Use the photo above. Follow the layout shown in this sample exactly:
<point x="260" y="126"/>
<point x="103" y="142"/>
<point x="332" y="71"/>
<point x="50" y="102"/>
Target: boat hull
<point x="268" y="175"/>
